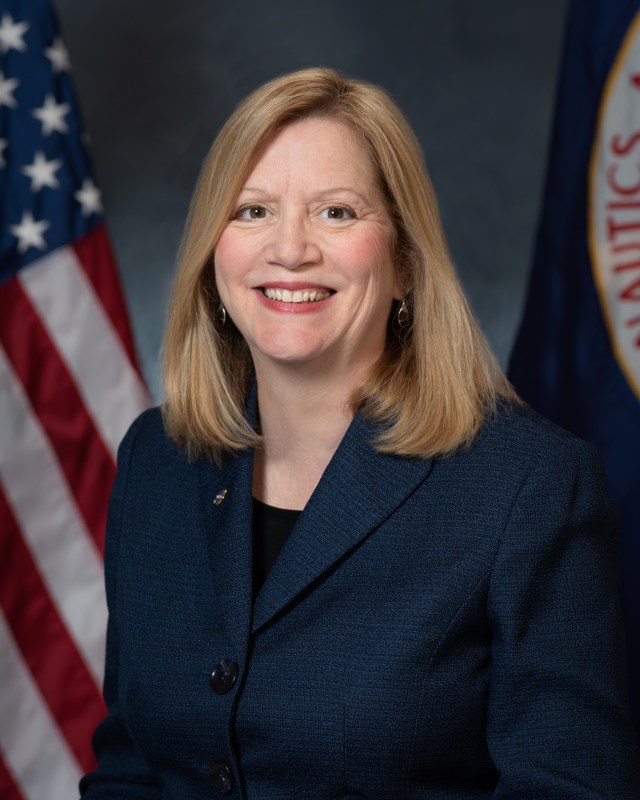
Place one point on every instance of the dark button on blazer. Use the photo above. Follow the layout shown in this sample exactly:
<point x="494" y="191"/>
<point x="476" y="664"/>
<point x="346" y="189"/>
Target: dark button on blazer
<point x="441" y="630"/>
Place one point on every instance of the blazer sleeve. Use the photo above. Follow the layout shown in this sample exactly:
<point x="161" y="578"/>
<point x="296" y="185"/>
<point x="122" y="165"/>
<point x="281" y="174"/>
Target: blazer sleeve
<point x="122" y="771"/>
<point x="558" y="723"/>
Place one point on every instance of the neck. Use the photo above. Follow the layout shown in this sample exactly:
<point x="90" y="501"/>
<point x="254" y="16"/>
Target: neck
<point x="302" y="419"/>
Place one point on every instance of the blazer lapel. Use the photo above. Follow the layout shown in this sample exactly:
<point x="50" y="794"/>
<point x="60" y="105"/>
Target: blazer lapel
<point x="359" y="489"/>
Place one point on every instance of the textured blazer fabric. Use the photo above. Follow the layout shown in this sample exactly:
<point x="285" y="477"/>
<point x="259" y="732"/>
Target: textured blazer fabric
<point x="433" y="630"/>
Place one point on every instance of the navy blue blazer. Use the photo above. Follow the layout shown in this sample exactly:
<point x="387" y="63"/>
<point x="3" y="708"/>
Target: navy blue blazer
<point x="444" y="629"/>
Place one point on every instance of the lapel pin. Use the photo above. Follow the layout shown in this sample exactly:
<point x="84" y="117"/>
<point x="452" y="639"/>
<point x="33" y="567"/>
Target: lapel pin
<point x="219" y="497"/>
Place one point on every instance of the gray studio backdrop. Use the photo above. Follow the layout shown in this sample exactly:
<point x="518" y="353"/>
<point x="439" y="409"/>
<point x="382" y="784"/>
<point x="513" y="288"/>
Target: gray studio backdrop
<point x="476" y="79"/>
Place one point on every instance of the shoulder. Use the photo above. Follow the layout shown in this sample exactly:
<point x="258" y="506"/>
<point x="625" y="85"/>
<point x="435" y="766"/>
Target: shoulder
<point x="518" y="439"/>
<point x="157" y="489"/>
<point x="521" y="467"/>
<point x="147" y="430"/>
<point x="147" y="440"/>
<point x="150" y="461"/>
<point x="520" y="426"/>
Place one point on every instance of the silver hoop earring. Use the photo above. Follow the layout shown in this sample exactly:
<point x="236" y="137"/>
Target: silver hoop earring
<point x="402" y="314"/>
<point x="223" y="314"/>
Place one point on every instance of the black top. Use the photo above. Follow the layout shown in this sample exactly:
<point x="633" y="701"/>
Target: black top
<point x="271" y="527"/>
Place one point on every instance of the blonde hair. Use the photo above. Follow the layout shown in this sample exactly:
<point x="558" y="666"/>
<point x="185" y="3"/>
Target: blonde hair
<point x="437" y="379"/>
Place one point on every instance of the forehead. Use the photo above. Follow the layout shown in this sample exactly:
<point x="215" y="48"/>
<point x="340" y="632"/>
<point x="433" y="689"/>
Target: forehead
<point x="314" y="147"/>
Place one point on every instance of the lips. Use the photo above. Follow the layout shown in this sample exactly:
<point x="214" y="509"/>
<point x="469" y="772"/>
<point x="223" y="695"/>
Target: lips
<point x="307" y="295"/>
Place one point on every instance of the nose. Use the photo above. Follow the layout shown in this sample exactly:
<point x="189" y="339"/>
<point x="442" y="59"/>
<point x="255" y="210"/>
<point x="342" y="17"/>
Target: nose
<point x="292" y="244"/>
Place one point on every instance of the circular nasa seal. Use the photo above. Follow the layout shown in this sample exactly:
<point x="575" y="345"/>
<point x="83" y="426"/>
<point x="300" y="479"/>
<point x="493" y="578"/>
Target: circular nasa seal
<point x="614" y="206"/>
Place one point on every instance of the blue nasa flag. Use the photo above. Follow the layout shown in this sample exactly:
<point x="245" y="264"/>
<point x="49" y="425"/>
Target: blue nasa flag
<point x="577" y="354"/>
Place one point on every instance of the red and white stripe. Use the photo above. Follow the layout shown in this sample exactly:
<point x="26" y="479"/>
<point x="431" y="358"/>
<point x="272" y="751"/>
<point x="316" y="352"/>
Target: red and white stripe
<point x="69" y="388"/>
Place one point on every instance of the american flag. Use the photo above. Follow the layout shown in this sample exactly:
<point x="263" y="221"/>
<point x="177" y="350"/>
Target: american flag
<point x="69" y="387"/>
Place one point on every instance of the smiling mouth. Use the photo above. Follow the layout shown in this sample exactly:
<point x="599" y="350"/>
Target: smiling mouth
<point x="298" y="296"/>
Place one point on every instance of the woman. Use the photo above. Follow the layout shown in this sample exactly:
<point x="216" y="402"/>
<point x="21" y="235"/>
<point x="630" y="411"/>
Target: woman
<point x="440" y="620"/>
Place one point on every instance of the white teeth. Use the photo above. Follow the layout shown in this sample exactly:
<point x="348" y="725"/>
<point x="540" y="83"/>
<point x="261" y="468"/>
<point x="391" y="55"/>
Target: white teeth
<point x="299" y="296"/>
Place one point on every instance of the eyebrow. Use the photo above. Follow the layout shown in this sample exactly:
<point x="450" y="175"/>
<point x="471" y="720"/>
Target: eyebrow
<point x="329" y="190"/>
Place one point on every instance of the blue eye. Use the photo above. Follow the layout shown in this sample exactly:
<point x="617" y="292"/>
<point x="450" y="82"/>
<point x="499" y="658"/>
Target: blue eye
<point x="252" y="212"/>
<point x="338" y="213"/>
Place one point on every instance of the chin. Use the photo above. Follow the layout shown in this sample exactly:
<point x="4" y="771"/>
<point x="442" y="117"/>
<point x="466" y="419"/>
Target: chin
<point x="288" y="351"/>
<point x="292" y="357"/>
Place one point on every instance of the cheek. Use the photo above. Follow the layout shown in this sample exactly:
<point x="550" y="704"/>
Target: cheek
<point x="372" y="258"/>
<point x="223" y="251"/>
<point x="227" y="260"/>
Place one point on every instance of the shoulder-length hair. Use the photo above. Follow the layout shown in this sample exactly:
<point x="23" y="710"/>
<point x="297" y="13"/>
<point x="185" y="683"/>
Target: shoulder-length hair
<point x="437" y="379"/>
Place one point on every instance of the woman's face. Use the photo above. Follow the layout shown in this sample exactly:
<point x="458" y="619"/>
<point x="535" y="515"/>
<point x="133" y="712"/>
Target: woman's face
<point x="305" y="267"/>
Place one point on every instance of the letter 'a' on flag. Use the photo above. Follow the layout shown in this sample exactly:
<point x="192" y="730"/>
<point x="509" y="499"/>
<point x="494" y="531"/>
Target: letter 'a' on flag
<point x="577" y="354"/>
<point x="69" y="388"/>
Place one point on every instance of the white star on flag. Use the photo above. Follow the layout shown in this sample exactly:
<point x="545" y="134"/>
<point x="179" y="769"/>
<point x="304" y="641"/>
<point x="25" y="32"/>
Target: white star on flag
<point x="4" y="143"/>
<point x="7" y="88"/>
<point x="58" y="55"/>
<point x="42" y="172"/>
<point x="11" y="34"/>
<point x="29" y="233"/>
<point x="51" y="115"/>
<point x="89" y="198"/>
